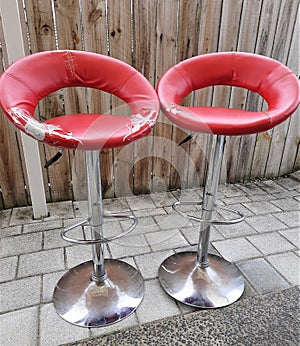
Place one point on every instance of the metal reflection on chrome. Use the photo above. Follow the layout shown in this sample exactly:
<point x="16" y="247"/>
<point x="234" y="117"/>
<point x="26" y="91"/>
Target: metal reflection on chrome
<point x="84" y="302"/>
<point x="217" y="285"/>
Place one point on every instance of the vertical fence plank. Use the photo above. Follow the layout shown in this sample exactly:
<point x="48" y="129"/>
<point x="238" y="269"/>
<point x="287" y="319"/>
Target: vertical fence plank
<point x="228" y="41"/>
<point x="95" y="40"/>
<point x="209" y="26"/>
<point x="12" y="176"/>
<point x="120" y="47"/>
<point x="166" y="33"/>
<point x="292" y="136"/>
<point x="188" y="33"/>
<point x="12" y="181"/>
<point x="144" y="22"/>
<point x="285" y="28"/>
<point x="41" y="32"/>
<point x="264" y="45"/>
<point x="69" y="36"/>
<point x="246" y="43"/>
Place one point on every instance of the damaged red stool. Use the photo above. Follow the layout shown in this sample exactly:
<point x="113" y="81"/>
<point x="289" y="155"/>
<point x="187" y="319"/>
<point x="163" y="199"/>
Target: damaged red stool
<point x="98" y="292"/>
<point x="198" y="278"/>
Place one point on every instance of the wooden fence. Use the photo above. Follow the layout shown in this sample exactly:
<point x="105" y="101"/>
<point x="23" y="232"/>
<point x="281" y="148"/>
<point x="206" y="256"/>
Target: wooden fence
<point x="153" y="35"/>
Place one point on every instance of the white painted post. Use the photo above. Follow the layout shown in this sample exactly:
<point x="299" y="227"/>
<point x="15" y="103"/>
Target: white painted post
<point x="15" y="50"/>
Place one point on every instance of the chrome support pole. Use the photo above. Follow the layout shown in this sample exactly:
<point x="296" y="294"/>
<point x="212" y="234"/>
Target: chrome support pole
<point x="95" y="212"/>
<point x="216" y="147"/>
<point x="93" y="294"/>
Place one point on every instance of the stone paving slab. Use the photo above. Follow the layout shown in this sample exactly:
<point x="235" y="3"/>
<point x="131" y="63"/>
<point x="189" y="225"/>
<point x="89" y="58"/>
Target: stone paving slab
<point x="33" y="257"/>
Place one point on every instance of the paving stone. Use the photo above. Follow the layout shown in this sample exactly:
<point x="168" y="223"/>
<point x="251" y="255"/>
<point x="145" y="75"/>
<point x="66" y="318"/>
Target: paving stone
<point x="9" y="231"/>
<point x="251" y="189"/>
<point x="290" y="218"/>
<point x="286" y="204"/>
<point x="192" y="234"/>
<point x="156" y="304"/>
<point x="49" y="283"/>
<point x="296" y="176"/>
<point x="230" y="190"/>
<point x="194" y="209"/>
<point x="285" y="194"/>
<point x="145" y="225"/>
<point x="56" y="331"/>
<point x="270" y="243"/>
<point x="112" y="227"/>
<point x="236" y="249"/>
<point x="288" y="183"/>
<point x="80" y="209"/>
<point x="293" y="235"/>
<point x="287" y="264"/>
<point x="4" y="217"/>
<point x="270" y="186"/>
<point x="132" y="245"/>
<point x="78" y="254"/>
<point x="172" y="220"/>
<point x="41" y="262"/>
<point x="297" y="198"/>
<point x="148" y="264"/>
<point x="149" y="212"/>
<point x="140" y="202"/>
<point x="240" y="229"/>
<point x="66" y="222"/>
<point x="262" y="276"/>
<point x="53" y="239"/>
<point x="265" y="223"/>
<point x="19" y="294"/>
<point x="20" y="244"/>
<point x="115" y="205"/>
<point x="129" y="322"/>
<point x="164" y="199"/>
<point x="227" y="215"/>
<point x="19" y="327"/>
<point x="20" y="216"/>
<point x="187" y="195"/>
<point x="235" y="200"/>
<point x="8" y="268"/>
<point x="262" y="207"/>
<point x="130" y="260"/>
<point x="60" y="210"/>
<point x="42" y="226"/>
<point x="164" y="240"/>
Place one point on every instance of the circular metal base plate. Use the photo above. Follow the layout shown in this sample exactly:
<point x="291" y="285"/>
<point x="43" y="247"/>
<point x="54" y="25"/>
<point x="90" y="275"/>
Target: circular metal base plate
<point x="218" y="285"/>
<point x="83" y="302"/>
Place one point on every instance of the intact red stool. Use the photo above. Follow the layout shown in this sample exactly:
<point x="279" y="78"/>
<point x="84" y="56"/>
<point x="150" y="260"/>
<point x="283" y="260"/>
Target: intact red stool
<point x="198" y="278"/>
<point x="99" y="292"/>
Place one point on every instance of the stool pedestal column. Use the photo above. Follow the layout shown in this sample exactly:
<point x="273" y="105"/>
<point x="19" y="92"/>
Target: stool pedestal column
<point x="102" y="291"/>
<point x="198" y="278"/>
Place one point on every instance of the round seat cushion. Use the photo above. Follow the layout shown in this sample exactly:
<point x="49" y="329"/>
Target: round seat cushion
<point x="265" y="76"/>
<point x="24" y="83"/>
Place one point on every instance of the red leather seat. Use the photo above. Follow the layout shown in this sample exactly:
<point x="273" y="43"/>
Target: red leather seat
<point x="265" y="76"/>
<point x="30" y="79"/>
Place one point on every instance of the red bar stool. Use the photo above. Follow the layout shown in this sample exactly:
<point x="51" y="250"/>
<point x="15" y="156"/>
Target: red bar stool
<point x="99" y="292"/>
<point x="197" y="278"/>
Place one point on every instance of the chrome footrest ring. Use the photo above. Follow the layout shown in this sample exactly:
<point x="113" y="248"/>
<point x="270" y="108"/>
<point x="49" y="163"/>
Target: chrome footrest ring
<point x="214" y="221"/>
<point x="66" y="230"/>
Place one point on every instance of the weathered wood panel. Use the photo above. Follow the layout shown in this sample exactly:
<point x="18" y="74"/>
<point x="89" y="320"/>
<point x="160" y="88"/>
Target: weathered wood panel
<point x="41" y="33"/>
<point x="95" y="40"/>
<point x="144" y="41"/>
<point x="166" y="34"/>
<point x="12" y="180"/>
<point x="153" y="35"/>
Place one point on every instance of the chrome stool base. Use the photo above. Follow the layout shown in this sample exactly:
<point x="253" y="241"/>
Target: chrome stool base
<point x="86" y="303"/>
<point x="215" y="286"/>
